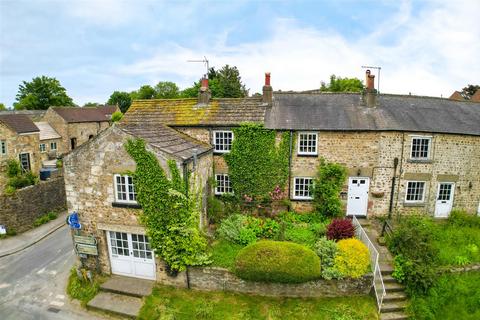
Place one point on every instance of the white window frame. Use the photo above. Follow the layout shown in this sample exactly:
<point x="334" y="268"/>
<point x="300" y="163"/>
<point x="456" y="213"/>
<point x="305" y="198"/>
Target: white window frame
<point x="227" y="188"/>
<point x="295" y="182"/>
<point x="3" y="148"/>
<point x="307" y="134"/>
<point x="215" y="132"/>
<point x="53" y="144"/>
<point x="423" y="193"/>
<point x="429" y="147"/>
<point x="42" y="147"/>
<point x="127" y="191"/>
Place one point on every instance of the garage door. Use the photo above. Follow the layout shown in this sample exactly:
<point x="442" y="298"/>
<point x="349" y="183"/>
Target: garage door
<point x="131" y="255"/>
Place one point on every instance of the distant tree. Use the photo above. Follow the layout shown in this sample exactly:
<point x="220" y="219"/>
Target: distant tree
<point x="122" y="99"/>
<point x="91" y="104"/>
<point x="2" y="107"/>
<point x="145" y="92"/>
<point x="469" y="91"/>
<point x="338" y="84"/>
<point x="116" y="116"/>
<point x="166" y="90"/>
<point x="41" y="93"/>
<point x="224" y="83"/>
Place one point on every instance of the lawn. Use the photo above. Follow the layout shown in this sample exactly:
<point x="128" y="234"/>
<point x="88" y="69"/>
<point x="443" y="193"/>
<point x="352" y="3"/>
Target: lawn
<point x="171" y="303"/>
<point x="224" y="253"/>
<point x="457" y="245"/>
<point x="454" y="296"/>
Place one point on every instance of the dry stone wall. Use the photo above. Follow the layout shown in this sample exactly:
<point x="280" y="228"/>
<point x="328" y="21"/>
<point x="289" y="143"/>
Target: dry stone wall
<point x="20" y="210"/>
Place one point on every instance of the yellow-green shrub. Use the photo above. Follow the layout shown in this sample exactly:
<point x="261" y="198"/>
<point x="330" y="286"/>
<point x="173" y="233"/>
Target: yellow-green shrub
<point x="352" y="258"/>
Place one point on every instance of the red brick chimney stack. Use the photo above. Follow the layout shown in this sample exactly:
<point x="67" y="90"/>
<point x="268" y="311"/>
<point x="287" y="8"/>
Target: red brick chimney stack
<point x="370" y="92"/>
<point x="267" y="90"/>
<point x="204" y="93"/>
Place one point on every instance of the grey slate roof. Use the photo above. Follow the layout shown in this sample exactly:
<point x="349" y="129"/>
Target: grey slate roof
<point x="46" y="131"/>
<point x="20" y="123"/>
<point x="166" y="139"/>
<point x="347" y="112"/>
<point x="187" y="112"/>
<point x="85" y="114"/>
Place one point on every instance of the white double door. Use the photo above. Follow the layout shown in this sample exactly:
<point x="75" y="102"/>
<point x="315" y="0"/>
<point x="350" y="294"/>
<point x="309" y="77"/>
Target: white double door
<point x="131" y="255"/>
<point x="444" y="201"/>
<point x="357" y="203"/>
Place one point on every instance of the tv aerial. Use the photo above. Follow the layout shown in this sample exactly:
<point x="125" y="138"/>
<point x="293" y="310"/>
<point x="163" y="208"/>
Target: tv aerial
<point x="204" y="61"/>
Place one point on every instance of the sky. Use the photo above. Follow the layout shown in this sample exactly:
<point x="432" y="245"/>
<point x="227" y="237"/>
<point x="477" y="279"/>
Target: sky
<point x="94" y="47"/>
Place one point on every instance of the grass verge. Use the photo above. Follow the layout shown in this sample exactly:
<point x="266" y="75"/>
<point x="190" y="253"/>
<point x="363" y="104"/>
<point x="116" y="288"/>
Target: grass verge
<point x="453" y="296"/>
<point x="82" y="289"/>
<point x="45" y="218"/>
<point x="172" y="303"/>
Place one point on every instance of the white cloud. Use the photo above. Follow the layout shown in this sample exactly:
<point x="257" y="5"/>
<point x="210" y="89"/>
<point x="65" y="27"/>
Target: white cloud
<point x="433" y="52"/>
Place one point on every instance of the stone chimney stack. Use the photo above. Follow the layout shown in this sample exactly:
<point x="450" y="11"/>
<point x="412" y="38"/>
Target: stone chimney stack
<point x="204" y="93"/>
<point x="370" y="92"/>
<point x="267" y="90"/>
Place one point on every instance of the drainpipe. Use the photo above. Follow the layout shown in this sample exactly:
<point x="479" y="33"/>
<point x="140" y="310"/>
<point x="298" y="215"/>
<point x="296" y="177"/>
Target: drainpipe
<point x="392" y="192"/>
<point x="185" y="175"/>
<point x="290" y="166"/>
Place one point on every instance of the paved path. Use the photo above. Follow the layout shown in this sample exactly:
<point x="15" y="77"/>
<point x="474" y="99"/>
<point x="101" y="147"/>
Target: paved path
<point x="33" y="281"/>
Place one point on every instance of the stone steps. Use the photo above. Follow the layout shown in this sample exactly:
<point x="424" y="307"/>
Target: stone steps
<point x="395" y="296"/>
<point x="393" y="306"/>
<point x="119" y="304"/>
<point x="394" y="287"/>
<point x="393" y="316"/>
<point x="388" y="279"/>
<point x="122" y="296"/>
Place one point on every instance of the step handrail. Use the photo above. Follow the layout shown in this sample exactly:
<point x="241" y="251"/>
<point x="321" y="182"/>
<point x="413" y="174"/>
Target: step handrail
<point x="378" y="284"/>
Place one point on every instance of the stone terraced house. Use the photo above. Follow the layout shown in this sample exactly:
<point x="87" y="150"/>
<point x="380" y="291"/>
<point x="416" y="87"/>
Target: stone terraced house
<point x="402" y="153"/>
<point x="19" y="140"/>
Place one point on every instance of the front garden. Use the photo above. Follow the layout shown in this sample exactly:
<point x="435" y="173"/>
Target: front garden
<point x="425" y="252"/>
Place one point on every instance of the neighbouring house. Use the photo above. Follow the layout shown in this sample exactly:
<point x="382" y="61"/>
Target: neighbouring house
<point x="50" y="144"/>
<point x="78" y="125"/>
<point x="402" y="153"/>
<point x="19" y="140"/>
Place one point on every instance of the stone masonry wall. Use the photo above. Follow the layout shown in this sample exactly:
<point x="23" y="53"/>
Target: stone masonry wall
<point x="219" y="279"/>
<point x="83" y="130"/>
<point x="16" y="144"/>
<point x="60" y="126"/>
<point x="20" y="210"/>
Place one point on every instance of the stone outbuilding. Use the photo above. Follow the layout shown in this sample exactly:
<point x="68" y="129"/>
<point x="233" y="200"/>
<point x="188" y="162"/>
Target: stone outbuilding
<point x="19" y="140"/>
<point x="50" y="144"/>
<point x="78" y="125"/>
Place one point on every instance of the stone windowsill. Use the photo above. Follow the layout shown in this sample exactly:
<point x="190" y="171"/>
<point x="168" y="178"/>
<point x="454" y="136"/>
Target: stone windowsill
<point x="300" y="200"/>
<point x="126" y="205"/>
<point x="414" y="204"/>
<point x="420" y="161"/>
<point x="299" y="155"/>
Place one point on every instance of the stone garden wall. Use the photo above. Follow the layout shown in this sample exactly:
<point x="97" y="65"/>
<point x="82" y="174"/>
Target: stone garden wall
<point x="20" y="210"/>
<point x="219" y="279"/>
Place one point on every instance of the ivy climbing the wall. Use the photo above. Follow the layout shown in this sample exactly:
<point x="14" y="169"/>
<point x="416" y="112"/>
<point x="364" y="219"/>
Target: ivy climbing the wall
<point x="169" y="215"/>
<point x="257" y="166"/>
<point x="327" y="188"/>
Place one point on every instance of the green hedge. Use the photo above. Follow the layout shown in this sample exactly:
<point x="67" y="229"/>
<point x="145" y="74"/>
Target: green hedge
<point x="277" y="261"/>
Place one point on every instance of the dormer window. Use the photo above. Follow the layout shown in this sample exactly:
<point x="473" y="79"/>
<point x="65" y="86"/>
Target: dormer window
<point x="307" y="143"/>
<point x="420" y="149"/>
<point x="222" y="141"/>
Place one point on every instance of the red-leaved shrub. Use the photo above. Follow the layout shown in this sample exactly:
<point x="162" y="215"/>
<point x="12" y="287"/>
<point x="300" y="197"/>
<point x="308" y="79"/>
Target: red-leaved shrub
<point x="340" y="229"/>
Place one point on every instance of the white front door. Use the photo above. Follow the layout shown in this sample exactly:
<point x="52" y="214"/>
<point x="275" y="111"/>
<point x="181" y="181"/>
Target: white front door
<point x="357" y="203"/>
<point x="130" y="255"/>
<point x="444" y="202"/>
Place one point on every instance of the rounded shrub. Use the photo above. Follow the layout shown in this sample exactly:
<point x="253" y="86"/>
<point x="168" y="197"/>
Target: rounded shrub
<point x="277" y="261"/>
<point x="352" y="259"/>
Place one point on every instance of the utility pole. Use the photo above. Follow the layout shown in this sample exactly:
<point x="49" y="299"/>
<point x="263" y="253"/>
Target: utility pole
<point x="378" y="68"/>
<point x="205" y="61"/>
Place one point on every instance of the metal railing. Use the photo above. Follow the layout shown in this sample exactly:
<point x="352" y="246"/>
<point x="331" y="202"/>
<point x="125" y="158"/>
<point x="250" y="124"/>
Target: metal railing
<point x="378" y="285"/>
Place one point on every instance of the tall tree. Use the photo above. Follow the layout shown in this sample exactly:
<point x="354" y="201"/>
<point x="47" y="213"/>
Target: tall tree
<point x="41" y="93"/>
<point x="166" y="90"/>
<point x="223" y="83"/>
<point x="338" y="84"/>
<point x="122" y="99"/>
<point x="91" y="104"/>
<point x="2" y="107"/>
<point x="145" y="92"/>
<point x="469" y="91"/>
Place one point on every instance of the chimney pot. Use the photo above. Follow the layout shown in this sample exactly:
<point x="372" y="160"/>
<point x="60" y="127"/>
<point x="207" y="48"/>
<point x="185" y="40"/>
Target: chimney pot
<point x="370" y="81"/>
<point x="204" y="83"/>
<point x="204" y="93"/>
<point x="267" y="90"/>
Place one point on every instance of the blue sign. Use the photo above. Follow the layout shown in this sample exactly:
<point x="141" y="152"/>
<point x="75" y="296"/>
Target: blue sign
<point x="72" y="221"/>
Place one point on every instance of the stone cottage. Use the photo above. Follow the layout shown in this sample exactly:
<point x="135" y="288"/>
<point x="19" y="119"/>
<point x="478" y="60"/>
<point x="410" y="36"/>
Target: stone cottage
<point x="78" y="125"/>
<point x="50" y="144"/>
<point x="19" y="140"/>
<point x="402" y="153"/>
